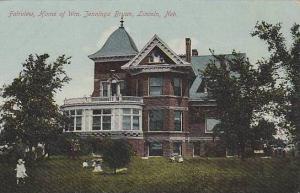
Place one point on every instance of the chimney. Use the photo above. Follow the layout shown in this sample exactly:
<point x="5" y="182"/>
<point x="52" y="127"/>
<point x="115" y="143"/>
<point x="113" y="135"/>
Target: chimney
<point x="194" y="52"/>
<point x="188" y="49"/>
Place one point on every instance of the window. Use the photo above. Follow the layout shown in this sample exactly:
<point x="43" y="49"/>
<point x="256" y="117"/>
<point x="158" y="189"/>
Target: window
<point x="122" y="88"/>
<point x="178" y="120"/>
<point x="76" y="120"/>
<point x="101" y="119"/>
<point x="177" y="86"/>
<point x="155" y="86"/>
<point x="131" y="119"/>
<point x="104" y="88"/>
<point x="126" y="122"/>
<point x="106" y="123"/>
<point x="156" y="118"/>
<point x="155" y="149"/>
<point x="210" y="123"/>
<point x="151" y="59"/>
<point x="177" y="148"/>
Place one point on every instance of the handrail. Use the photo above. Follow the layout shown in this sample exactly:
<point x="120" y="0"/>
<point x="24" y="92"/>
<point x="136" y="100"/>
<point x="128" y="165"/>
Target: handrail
<point x="103" y="99"/>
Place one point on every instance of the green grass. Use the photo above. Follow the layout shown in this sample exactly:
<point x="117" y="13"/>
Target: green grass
<point x="214" y="175"/>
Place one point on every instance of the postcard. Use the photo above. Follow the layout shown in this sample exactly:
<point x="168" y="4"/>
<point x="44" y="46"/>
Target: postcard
<point x="150" y="96"/>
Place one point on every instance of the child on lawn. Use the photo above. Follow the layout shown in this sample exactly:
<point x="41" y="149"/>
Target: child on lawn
<point x="21" y="171"/>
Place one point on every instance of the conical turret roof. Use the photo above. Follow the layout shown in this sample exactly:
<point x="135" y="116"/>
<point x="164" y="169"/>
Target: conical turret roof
<point x="118" y="44"/>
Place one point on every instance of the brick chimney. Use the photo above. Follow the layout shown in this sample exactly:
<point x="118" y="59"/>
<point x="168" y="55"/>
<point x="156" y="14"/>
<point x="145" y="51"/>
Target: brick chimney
<point x="188" y="49"/>
<point x="194" y="52"/>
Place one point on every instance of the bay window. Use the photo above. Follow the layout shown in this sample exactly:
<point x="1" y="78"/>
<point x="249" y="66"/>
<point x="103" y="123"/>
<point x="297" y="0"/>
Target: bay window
<point x="101" y="119"/>
<point x="177" y="86"/>
<point x="131" y="119"/>
<point x="76" y="120"/>
<point x="156" y="118"/>
<point x="155" y="86"/>
<point x="178" y="120"/>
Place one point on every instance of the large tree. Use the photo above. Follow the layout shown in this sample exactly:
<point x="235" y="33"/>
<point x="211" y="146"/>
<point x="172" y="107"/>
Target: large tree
<point x="283" y="56"/>
<point x="241" y="91"/>
<point x="30" y="114"/>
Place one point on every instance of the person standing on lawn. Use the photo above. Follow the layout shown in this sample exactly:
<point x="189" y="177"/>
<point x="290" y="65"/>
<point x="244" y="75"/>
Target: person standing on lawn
<point x="21" y="171"/>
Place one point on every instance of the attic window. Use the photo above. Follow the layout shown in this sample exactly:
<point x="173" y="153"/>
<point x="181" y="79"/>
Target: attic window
<point x="156" y="57"/>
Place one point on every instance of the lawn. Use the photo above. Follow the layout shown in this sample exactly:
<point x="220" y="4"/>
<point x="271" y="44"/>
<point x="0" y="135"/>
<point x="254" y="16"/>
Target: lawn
<point x="204" y="175"/>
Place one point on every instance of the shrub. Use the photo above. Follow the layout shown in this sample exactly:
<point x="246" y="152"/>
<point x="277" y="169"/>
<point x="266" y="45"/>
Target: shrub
<point x="116" y="153"/>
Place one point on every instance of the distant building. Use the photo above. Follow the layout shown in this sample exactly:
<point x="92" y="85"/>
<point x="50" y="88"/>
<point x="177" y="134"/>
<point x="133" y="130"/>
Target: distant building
<point x="153" y="97"/>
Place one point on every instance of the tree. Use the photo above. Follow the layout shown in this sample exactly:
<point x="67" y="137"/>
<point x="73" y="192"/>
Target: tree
<point x="240" y="91"/>
<point x="282" y="57"/>
<point x="116" y="153"/>
<point x="29" y="111"/>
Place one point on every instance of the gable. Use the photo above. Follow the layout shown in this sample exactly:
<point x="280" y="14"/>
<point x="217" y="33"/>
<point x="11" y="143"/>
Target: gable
<point x="156" y="56"/>
<point x="155" y="44"/>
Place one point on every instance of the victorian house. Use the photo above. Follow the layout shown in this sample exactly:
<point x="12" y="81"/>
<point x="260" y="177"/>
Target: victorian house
<point x="154" y="98"/>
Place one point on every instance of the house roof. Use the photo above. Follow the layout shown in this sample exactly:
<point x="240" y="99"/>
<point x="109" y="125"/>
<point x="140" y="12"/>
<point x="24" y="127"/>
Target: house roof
<point x="118" y="44"/>
<point x="155" y="41"/>
<point x="199" y="64"/>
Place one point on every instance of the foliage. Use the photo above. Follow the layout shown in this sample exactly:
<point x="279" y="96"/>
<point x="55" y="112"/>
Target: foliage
<point x="240" y="91"/>
<point x="116" y="153"/>
<point x="29" y="112"/>
<point x="287" y="59"/>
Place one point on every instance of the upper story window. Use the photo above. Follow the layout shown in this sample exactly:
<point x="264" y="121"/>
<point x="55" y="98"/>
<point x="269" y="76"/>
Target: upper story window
<point x="155" y="86"/>
<point x="104" y="88"/>
<point x="210" y="124"/>
<point x="178" y="120"/>
<point x="76" y="120"/>
<point x="131" y="119"/>
<point x="177" y="86"/>
<point x="112" y="88"/>
<point x="102" y="119"/>
<point x="156" y="120"/>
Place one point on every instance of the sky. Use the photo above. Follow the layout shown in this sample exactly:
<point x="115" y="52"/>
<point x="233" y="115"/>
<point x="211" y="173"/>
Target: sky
<point x="219" y="25"/>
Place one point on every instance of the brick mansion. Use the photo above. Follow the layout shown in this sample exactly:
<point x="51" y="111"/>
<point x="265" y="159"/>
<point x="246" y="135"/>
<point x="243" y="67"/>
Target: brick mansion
<point x="153" y="97"/>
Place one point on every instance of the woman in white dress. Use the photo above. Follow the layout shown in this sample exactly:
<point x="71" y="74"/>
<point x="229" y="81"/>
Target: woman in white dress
<point x="98" y="167"/>
<point x="21" y="171"/>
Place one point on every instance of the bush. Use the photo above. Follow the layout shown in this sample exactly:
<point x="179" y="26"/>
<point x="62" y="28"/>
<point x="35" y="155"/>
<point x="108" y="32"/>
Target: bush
<point x="116" y="153"/>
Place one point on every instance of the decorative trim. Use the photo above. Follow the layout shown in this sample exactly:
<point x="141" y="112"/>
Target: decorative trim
<point x="112" y="58"/>
<point x="155" y="41"/>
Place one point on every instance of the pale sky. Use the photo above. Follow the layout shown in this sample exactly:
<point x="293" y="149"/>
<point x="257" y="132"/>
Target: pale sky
<point x="219" y="25"/>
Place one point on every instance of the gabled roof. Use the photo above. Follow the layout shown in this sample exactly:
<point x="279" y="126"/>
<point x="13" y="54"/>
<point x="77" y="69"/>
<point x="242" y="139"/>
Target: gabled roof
<point x="199" y="64"/>
<point x="155" y="41"/>
<point x="118" y="44"/>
